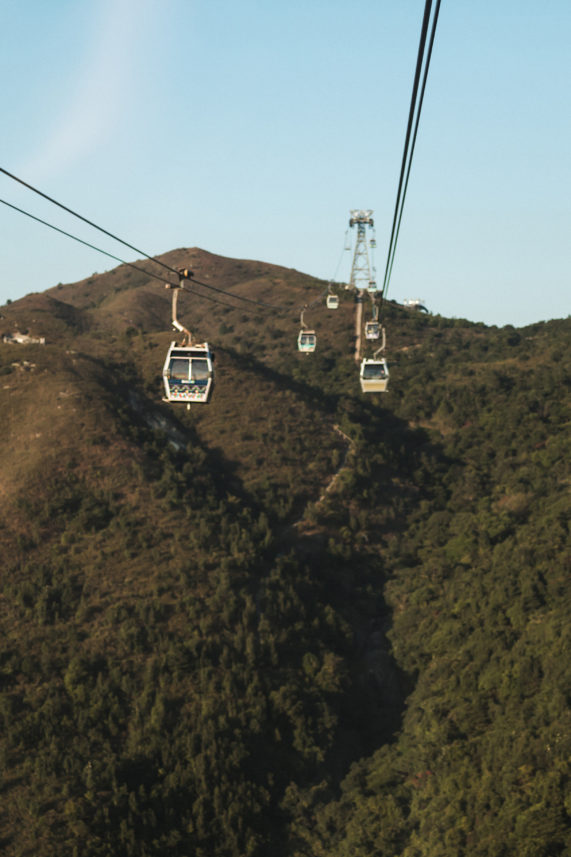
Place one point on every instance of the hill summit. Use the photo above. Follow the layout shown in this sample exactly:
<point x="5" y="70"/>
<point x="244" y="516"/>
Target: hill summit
<point x="298" y="620"/>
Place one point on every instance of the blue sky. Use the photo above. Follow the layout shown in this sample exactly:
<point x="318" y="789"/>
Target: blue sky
<point x="250" y="128"/>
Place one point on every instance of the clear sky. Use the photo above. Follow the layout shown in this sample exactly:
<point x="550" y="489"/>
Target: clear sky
<point x="250" y="128"/>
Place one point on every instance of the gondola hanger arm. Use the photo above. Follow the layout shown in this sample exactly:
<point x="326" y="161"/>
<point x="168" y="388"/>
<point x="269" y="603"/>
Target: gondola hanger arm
<point x="176" y="287"/>
<point x="382" y="345"/>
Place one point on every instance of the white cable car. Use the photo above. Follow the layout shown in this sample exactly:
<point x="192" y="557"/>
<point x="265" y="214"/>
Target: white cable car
<point x="372" y="330"/>
<point x="374" y="375"/>
<point x="332" y="301"/>
<point x="374" y="372"/>
<point x="373" y="327"/>
<point x="306" y="341"/>
<point x="188" y="373"/>
<point x="372" y="287"/>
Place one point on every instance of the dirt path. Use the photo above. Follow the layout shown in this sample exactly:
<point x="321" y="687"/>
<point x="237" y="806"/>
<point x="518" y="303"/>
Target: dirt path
<point x="333" y="481"/>
<point x="302" y="526"/>
<point x="336" y="475"/>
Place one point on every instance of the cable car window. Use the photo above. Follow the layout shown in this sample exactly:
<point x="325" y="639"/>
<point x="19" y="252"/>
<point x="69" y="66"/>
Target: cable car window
<point x="179" y="369"/>
<point x="370" y="371"/>
<point x="199" y="370"/>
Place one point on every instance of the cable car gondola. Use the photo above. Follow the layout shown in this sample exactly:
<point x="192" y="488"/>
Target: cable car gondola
<point x="332" y="301"/>
<point x="374" y="375"/>
<point x="372" y="330"/>
<point x="188" y="373"/>
<point x="374" y="371"/>
<point x="373" y="327"/>
<point x="307" y="339"/>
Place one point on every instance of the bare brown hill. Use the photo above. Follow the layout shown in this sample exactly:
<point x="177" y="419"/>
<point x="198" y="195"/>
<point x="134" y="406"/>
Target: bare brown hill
<point x="247" y="277"/>
<point x="43" y="315"/>
<point x="107" y="338"/>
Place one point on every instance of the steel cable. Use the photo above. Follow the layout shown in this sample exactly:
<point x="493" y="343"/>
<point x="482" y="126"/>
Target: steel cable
<point x="260" y="304"/>
<point x="422" y="91"/>
<point x="407" y="159"/>
<point x="81" y="241"/>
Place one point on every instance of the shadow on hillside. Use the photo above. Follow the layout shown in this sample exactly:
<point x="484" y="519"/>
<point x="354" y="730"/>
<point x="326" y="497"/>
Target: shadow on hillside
<point x="183" y="439"/>
<point x="395" y="468"/>
<point x="312" y="396"/>
<point x="370" y="713"/>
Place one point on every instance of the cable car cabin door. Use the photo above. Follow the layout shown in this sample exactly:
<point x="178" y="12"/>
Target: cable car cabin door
<point x="188" y="374"/>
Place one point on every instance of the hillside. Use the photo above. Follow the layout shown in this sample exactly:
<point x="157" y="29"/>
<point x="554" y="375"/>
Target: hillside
<point x="297" y="621"/>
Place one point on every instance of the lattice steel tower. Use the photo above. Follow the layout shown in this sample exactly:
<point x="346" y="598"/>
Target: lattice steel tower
<point x="363" y="276"/>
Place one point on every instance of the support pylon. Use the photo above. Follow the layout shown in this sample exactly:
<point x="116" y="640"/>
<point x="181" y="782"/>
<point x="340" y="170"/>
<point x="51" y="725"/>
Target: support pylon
<point x="363" y="276"/>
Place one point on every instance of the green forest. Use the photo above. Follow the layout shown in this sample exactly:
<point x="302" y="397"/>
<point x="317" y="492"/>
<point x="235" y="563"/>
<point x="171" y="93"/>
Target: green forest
<point x="298" y="621"/>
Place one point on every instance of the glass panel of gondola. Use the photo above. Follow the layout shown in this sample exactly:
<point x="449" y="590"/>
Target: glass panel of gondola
<point x="199" y="370"/>
<point x="178" y="368"/>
